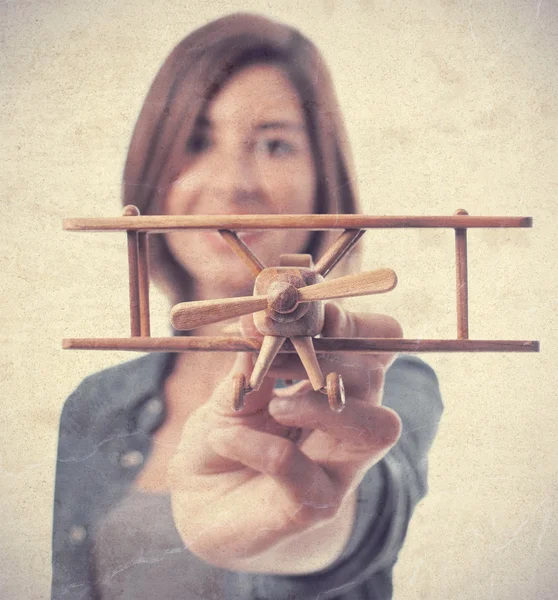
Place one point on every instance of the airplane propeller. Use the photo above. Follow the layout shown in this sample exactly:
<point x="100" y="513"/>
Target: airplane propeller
<point x="282" y="298"/>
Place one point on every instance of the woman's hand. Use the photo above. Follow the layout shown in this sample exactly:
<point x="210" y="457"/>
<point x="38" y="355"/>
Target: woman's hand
<point x="246" y="493"/>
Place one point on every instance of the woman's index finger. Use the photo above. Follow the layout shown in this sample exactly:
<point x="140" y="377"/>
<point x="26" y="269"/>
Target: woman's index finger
<point x="343" y="323"/>
<point x="222" y="400"/>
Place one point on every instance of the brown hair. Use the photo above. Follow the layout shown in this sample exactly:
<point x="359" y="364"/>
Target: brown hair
<point x="191" y="76"/>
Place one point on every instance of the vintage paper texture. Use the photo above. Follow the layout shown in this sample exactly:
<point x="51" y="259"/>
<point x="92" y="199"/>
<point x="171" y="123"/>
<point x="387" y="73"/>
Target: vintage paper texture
<point x="448" y="104"/>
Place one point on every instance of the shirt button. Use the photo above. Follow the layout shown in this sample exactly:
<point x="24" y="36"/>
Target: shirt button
<point x="154" y="406"/>
<point x="78" y="533"/>
<point x="132" y="459"/>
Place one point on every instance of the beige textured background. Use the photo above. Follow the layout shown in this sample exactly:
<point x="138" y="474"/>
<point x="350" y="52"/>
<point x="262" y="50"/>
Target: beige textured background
<point x="448" y="104"/>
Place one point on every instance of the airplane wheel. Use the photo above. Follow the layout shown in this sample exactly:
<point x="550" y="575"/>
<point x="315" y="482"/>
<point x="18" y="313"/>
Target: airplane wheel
<point x="239" y="391"/>
<point x="335" y="392"/>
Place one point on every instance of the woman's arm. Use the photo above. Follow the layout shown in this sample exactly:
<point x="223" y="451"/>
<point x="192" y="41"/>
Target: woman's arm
<point x="386" y="499"/>
<point x="246" y="498"/>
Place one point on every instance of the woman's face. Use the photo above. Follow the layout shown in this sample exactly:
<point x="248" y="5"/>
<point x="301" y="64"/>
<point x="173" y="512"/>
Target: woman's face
<point x="249" y="153"/>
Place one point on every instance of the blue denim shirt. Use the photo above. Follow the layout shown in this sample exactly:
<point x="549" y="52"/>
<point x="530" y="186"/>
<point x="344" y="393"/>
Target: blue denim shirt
<point x="105" y="438"/>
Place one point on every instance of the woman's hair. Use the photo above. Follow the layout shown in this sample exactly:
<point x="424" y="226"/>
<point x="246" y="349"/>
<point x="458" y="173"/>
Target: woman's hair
<point x="191" y="76"/>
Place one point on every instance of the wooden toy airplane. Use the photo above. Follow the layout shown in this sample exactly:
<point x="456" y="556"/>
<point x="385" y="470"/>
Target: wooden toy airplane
<point x="288" y="299"/>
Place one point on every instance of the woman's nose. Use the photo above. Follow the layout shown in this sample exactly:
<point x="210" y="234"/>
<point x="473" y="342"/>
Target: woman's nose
<point x="234" y="177"/>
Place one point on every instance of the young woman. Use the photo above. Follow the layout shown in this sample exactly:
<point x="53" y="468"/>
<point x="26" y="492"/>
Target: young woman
<point x="162" y="491"/>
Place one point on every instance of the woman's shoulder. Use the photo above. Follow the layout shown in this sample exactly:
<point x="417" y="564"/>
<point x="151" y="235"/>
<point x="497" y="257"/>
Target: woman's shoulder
<point x="131" y="376"/>
<point x="407" y="365"/>
<point x="410" y="380"/>
<point x="112" y="393"/>
<point x="412" y="390"/>
<point x="410" y="376"/>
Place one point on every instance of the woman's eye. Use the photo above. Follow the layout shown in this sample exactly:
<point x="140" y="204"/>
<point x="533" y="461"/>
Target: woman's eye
<point x="277" y="147"/>
<point x="197" y="143"/>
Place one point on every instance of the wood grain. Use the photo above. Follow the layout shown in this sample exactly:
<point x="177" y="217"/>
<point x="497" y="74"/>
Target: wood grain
<point x="360" y="284"/>
<point x="306" y="319"/>
<point x="189" y="315"/>
<point x="321" y="345"/>
<point x="462" y="286"/>
<point x="162" y="223"/>
<point x="143" y="283"/>
<point x="305" y="347"/>
<point x="270" y="347"/>
<point x="342" y="246"/>
<point x="242" y="251"/>
<point x="296" y="260"/>
<point x="132" y="240"/>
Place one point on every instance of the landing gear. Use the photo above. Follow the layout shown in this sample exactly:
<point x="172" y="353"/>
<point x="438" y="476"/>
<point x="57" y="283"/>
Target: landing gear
<point x="335" y="391"/>
<point x="239" y="391"/>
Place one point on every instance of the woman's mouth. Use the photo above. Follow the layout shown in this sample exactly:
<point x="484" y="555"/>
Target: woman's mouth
<point x="215" y="240"/>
